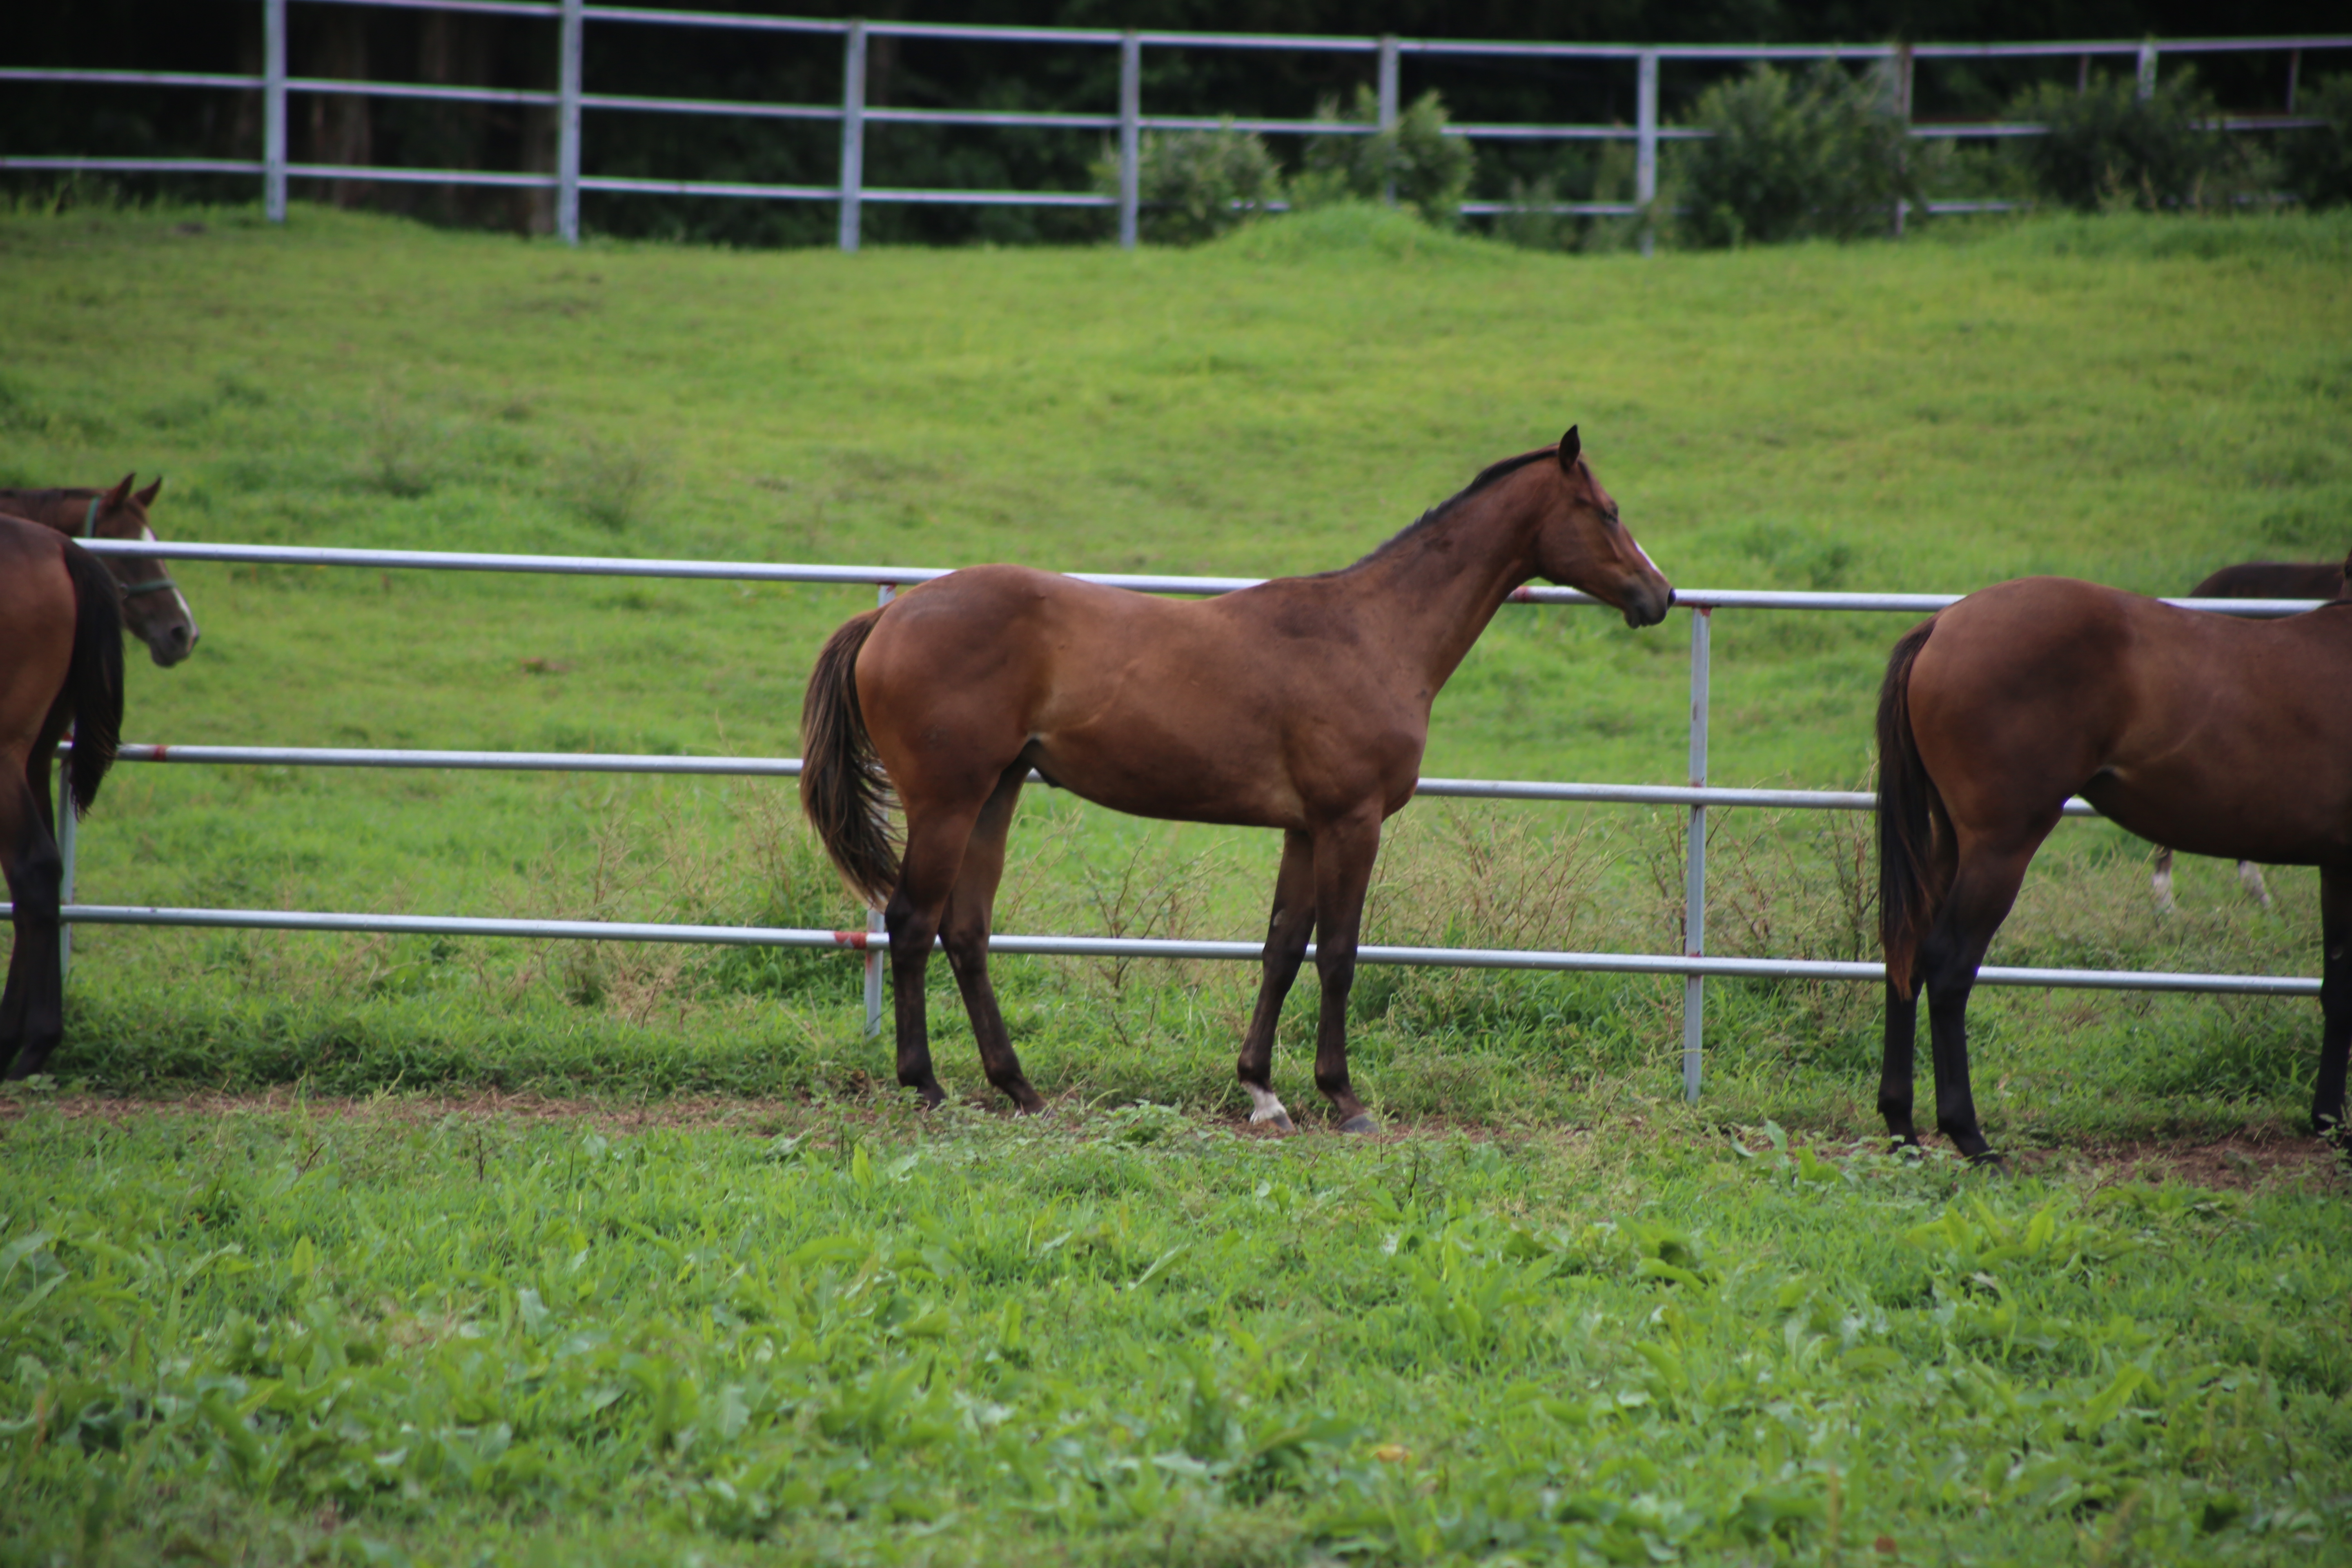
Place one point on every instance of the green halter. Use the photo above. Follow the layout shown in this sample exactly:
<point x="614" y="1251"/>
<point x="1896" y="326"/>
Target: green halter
<point x="89" y="530"/>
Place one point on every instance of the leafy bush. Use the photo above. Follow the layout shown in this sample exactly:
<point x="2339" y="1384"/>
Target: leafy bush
<point x="1428" y="170"/>
<point x="1827" y="156"/>
<point x="2317" y="163"/>
<point x="1195" y="184"/>
<point x="2108" y="148"/>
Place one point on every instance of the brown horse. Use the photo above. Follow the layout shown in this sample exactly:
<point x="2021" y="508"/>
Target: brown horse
<point x="1301" y="704"/>
<point x="2253" y="580"/>
<point x="60" y="664"/>
<point x="2202" y="732"/>
<point x="155" y="610"/>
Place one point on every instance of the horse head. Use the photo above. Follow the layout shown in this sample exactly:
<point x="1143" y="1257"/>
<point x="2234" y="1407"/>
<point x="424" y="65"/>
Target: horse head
<point x="1582" y="544"/>
<point x="152" y="606"/>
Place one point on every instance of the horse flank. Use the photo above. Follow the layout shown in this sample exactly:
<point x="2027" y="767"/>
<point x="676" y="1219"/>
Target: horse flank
<point x="843" y="789"/>
<point x="1906" y="797"/>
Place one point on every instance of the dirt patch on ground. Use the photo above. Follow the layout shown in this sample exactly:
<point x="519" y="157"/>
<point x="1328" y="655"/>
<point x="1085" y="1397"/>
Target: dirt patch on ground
<point x="763" y="1116"/>
<point x="2245" y="1158"/>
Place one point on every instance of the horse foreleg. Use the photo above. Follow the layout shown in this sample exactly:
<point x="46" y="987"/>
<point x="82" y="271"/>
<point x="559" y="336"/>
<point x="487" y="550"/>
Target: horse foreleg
<point x="1287" y="930"/>
<point x="927" y="875"/>
<point x="1896" y="1063"/>
<point x="2250" y="877"/>
<point x="2160" y="879"/>
<point x="2334" y="1003"/>
<point x="972" y="908"/>
<point x="32" y="1009"/>
<point x="1978" y="901"/>
<point x="1343" y="870"/>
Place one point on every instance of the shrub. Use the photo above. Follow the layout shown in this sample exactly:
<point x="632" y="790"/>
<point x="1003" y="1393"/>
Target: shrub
<point x="1195" y="184"/>
<point x="2109" y="147"/>
<point x="2318" y="163"/>
<point x="1827" y="156"/>
<point x="1428" y="169"/>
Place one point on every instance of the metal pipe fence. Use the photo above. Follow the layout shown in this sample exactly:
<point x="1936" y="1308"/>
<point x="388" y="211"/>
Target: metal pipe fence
<point x="571" y="102"/>
<point x="1694" y="964"/>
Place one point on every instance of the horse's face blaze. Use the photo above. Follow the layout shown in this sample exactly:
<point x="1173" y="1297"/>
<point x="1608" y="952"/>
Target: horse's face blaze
<point x="1584" y="546"/>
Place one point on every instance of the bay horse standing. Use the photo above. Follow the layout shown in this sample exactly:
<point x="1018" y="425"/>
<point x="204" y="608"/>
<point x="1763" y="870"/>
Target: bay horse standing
<point x="154" y="609"/>
<point x="2202" y="732"/>
<point x="60" y="664"/>
<point x="2251" y="580"/>
<point x="1301" y="704"/>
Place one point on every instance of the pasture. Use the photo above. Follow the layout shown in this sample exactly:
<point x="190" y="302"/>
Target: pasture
<point x="1557" y="1314"/>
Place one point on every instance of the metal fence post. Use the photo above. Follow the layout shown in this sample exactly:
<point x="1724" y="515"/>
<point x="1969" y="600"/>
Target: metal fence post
<point x="67" y="832"/>
<point x="1131" y="136"/>
<point x="853" y="132"/>
<point x="1646" y="152"/>
<point x="1902" y="84"/>
<point x="1695" y="861"/>
<point x="1388" y="104"/>
<point x="2293" y="70"/>
<point x="273" y="110"/>
<point x="874" y="926"/>
<point x="2147" y="69"/>
<point x="567" y="126"/>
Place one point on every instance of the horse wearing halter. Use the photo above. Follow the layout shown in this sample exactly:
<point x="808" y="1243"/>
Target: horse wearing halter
<point x="89" y="530"/>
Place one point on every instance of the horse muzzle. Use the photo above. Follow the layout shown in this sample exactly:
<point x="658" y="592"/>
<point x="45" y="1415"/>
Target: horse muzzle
<point x="1646" y="604"/>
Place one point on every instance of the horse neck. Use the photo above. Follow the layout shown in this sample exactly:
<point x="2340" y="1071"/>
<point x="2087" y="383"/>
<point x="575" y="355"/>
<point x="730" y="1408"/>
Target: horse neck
<point x="47" y="508"/>
<point x="1442" y="581"/>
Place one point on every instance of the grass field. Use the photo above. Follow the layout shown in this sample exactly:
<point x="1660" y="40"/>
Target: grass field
<point x="1556" y="1316"/>
<point x="2131" y="401"/>
<point x="1131" y="1338"/>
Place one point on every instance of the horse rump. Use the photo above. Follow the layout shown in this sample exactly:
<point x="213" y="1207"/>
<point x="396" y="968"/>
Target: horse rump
<point x="1907" y="797"/>
<point x="93" y="688"/>
<point x="845" y="791"/>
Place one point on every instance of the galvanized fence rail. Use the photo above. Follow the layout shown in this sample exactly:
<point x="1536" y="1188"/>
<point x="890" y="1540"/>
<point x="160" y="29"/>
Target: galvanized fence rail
<point x="1696" y="797"/>
<point x="571" y="102"/>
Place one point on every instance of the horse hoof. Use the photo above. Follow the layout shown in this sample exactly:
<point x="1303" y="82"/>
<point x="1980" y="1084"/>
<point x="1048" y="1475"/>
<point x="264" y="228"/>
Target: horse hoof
<point x="1280" y="1121"/>
<point x="1363" y="1121"/>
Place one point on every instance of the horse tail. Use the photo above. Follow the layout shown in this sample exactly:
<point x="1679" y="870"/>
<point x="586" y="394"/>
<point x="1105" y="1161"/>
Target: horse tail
<point x="1905" y="796"/>
<point x="844" y="790"/>
<point x="93" y="688"/>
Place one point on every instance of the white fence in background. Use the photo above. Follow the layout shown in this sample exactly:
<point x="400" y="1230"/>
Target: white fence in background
<point x="1696" y="796"/>
<point x="571" y="102"/>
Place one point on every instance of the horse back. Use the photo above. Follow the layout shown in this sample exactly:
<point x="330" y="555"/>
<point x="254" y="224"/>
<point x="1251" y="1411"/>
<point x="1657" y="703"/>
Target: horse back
<point x="2273" y="580"/>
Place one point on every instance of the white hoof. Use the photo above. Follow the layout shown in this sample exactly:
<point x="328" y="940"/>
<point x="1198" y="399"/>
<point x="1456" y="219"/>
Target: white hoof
<point x="1268" y="1108"/>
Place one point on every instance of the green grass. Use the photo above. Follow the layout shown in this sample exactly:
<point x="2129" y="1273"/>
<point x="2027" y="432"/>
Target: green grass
<point x="1560" y="1318"/>
<point x="2132" y="400"/>
<point x="1123" y="1338"/>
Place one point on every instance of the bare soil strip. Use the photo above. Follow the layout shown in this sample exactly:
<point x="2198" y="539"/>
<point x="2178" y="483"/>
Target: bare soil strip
<point x="2247" y="1158"/>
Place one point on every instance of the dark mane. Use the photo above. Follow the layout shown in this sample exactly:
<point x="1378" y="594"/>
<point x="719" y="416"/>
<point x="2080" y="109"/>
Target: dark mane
<point x="1489" y="474"/>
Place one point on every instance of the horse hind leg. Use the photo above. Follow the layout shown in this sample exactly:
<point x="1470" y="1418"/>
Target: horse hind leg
<point x="972" y="906"/>
<point x="2334" y="1005"/>
<point x="1287" y="928"/>
<point x="2160" y="880"/>
<point x="1981" y="894"/>
<point x="926" y="876"/>
<point x="2250" y="877"/>
<point x="32" y="1007"/>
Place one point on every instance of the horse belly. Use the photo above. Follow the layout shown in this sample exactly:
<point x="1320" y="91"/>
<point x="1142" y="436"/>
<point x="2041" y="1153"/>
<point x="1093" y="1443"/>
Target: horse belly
<point x="2276" y="819"/>
<point x="1149" y="769"/>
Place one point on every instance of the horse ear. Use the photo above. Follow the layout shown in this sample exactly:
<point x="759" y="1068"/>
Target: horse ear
<point x="147" y="497"/>
<point x="1569" y="447"/>
<point x="115" y="497"/>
